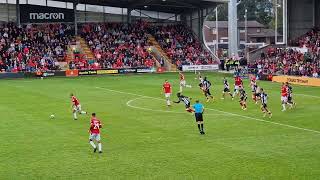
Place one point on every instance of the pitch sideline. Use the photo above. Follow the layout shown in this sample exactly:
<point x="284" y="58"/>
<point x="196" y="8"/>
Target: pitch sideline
<point x="247" y="117"/>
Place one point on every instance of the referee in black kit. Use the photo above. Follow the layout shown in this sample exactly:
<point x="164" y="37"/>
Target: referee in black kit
<point x="199" y="109"/>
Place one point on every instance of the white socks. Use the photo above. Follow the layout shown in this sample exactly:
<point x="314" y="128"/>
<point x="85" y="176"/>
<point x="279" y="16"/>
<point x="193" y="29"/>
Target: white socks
<point x="99" y="147"/>
<point x="235" y="93"/>
<point x="75" y="115"/>
<point x="188" y="86"/>
<point x="93" y="145"/>
<point x="83" y="112"/>
<point x="168" y="102"/>
<point x="283" y="107"/>
<point x="180" y="89"/>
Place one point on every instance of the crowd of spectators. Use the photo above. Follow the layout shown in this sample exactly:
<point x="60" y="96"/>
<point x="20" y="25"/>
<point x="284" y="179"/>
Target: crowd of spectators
<point x="301" y="61"/>
<point x="114" y="45"/>
<point x="117" y="45"/>
<point x="180" y="45"/>
<point x="32" y="47"/>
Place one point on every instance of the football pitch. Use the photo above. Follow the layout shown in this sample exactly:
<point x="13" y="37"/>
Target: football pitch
<point x="144" y="139"/>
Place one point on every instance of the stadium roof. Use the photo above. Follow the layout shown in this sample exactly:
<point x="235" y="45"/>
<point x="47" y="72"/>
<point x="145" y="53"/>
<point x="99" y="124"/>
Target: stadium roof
<point x="170" y="6"/>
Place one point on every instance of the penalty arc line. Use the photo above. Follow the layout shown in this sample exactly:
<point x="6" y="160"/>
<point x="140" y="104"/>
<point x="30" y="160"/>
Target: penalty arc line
<point x="233" y="114"/>
<point x="154" y="110"/>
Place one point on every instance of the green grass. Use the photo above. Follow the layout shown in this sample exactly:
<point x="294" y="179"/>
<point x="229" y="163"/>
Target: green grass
<point x="146" y="143"/>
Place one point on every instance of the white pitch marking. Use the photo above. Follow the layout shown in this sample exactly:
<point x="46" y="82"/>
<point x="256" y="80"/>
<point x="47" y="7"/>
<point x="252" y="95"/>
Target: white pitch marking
<point x="252" y="118"/>
<point x="306" y="95"/>
<point x="148" y="109"/>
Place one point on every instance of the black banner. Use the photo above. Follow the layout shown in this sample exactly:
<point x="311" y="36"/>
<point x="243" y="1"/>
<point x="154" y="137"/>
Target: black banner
<point x="44" y="14"/>
<point x="87" y="72"/>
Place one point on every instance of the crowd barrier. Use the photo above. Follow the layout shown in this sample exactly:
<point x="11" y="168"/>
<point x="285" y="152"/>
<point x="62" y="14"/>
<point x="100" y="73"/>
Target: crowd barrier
<point x="11" y="75"/>
<point x="75" y="73"/>
<point x="305" y="81"/>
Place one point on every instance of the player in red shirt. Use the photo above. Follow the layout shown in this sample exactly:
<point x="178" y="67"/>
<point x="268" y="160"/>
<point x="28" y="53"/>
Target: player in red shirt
<point x="237" y="85"/>
<point x="183" y="81"/>
<point x="284" y="96"/>
<point x="76" y="107"/>
<point x="167" y="90"/>
<point x="95" y="125"/>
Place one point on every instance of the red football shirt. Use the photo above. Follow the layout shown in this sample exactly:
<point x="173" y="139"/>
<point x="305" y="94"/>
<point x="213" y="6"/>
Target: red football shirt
<point x="95" y="126"/>
<point x="238" y="81"/>
<point x="167" y="87"/>
<point x="284" y="91"/>
<point x="75" y="101"/>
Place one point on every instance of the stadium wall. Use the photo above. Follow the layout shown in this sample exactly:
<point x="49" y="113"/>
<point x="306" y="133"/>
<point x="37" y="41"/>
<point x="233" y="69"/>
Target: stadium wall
<point x="302" y="16"/>
<point x="195" y="20"/>
<point x="317" y="13"/>
<point x="6" y="9"/>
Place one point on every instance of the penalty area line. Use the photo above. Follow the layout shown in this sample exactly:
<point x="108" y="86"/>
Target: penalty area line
<point x="233" y="114"/>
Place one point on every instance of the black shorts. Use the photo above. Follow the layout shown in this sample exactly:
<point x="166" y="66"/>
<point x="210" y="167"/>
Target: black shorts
<point x="200" y="85"/>
<point x="289" y="99"/>
<point x="243" y="99"/>
<point x="199" y="117"/>
<point x="188" y="105"/>
<point x="257" y="94"/>
<point x="226" y="90"/>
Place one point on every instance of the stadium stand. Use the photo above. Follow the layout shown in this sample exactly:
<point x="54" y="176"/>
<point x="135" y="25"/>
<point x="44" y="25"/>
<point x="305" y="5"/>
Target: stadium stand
<point x="292" y="61"/>
<point x="102" y="45"/>
<point x="33" y="47"/>
<point x="181" y="46"/>
<point x="117" y="45"/>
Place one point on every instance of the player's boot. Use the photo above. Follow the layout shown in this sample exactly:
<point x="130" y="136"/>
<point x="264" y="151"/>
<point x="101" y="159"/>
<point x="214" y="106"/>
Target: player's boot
<point x="95" y="150"/>
<point x="100" y="152"/>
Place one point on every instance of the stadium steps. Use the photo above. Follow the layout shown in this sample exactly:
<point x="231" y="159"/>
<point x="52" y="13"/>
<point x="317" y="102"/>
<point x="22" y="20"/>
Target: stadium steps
<point x="153" y="42"/>
<point x="84" y="48"/>
<point x="69" y="54"/>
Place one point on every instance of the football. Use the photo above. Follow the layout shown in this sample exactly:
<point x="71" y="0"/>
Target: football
<point x="52" y="116"/>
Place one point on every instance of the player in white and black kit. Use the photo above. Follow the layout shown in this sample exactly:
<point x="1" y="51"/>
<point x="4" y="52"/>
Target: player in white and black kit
<point x="185" y="100"/>
<point x="200" y="79"/>
<point x="226" y="88"/>
<point x="256" y="96"/>
<point x="206" y="85"/>
<point x="264" y="106"/>
<point x="290" y="102"/>
<point x="243" y="99"/>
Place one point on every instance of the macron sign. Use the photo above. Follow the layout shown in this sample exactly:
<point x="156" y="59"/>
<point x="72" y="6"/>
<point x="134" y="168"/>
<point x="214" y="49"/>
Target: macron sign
<point x="44" y="14"/>
<point x="47" y="16"/>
